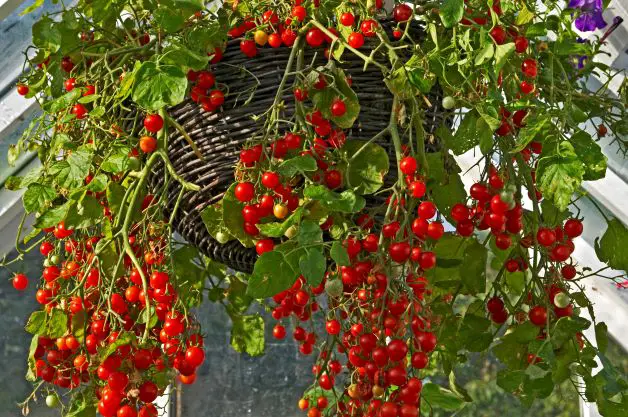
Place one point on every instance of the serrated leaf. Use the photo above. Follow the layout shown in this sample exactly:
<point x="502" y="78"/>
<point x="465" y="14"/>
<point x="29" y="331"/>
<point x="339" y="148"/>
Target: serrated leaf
<point x="590" y="154"/>
<point x="37" y="197"/>
<point x="158" y="86"/>
<point x="85" y="213"/>
<point x="439" y="397"/>
<point x="560" y="175"/>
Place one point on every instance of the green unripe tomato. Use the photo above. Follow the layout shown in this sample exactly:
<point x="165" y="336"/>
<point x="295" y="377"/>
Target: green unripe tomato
<point x="449" y="103"/>
<point x="47" y="263"/>
<point x="507" y="197"/>
<point x="54" y="259"/>
<point x="222" y="237"/>
<point x="333" y="288"/>
<point x="561" y="300"/>
<point x="52" y="401"/>
<point x="134" y="164"/>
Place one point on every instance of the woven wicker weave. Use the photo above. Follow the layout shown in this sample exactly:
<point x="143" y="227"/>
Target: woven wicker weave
<point x="221" y="135"/>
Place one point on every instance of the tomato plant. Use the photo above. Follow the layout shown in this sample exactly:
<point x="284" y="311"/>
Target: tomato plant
<point x="393" y="241"/>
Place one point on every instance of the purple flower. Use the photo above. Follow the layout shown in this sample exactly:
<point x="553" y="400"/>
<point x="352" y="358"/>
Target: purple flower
<point x="590" y="17"/>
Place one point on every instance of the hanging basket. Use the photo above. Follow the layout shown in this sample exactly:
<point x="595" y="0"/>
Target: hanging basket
<point x="221" y="135"/>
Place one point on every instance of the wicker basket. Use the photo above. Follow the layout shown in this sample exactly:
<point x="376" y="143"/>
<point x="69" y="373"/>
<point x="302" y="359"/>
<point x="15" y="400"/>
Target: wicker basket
<point x="221" y="135"/>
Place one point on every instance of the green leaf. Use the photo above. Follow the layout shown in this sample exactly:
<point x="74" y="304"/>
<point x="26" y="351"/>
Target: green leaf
<point x="473" y="268"/>
<point x="36" y="323"/>
<point x="275" y="271"/>
<point x="115" y="163"/>
<point x="313" y="265"/>
<point x="323" y="99"/>
<point x="71" y="173"/>
<point x="247" y="334"/>
<point x="485" y="54"/>
<point x="232" y="217"/>
<point x="451" y="12"/>
<point x="565" y="329"/>
<point x="13" y="183"/>
<point x="52" y="216"/>
<point x="439" y="397"/>
<point x="52" y="325"/>
<point x="31" y="371"/>
<point x="611" y="248"/>
<point x="367" y="166"/>
<point x="78" y="325"/>
<point x="207" y="36"/>
<point x="534" y="125"/>
<point x="124" y="338"/>
<point x="536" y="30"/>
<point x="568" y="47"/>
<point x="490" y="116"/>
<point x="510" y="381"/>
<point x="115" y="195"/>
<point x="46" y="34"/>
<point x="37" y="197"/>
<point x="105" y="11"/>
<point x="560" y="175"/>
<point x="82" y="404"/>
<point x="444" y="183"/>
<point x="98" y="183"/>
<point x="299" y="164"/>
<point x="339" y="254"/>
<point x="524" y="16"/>
<point x="179" y="55"/>
<point x="346" y="202"/>
<point x="502" y="55"/>
<point x="309" y="233"/>
<point x="601" y="336"/>
<point x="236" y="295"/>
<point x="590" y="154"/>
<point x="277" y="229"/>
<point x="158" y="86"/>
<point x="525" y="332"/>
<point x="552" y="216"/>
<point x="85" y="213"/>
<point x="467" y="135"/>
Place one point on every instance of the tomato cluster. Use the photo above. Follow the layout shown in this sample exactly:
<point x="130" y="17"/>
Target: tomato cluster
<point x="105" y="309"/>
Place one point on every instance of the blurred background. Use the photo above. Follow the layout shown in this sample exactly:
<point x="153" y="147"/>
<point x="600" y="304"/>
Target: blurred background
<point x="230" y="384"/>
